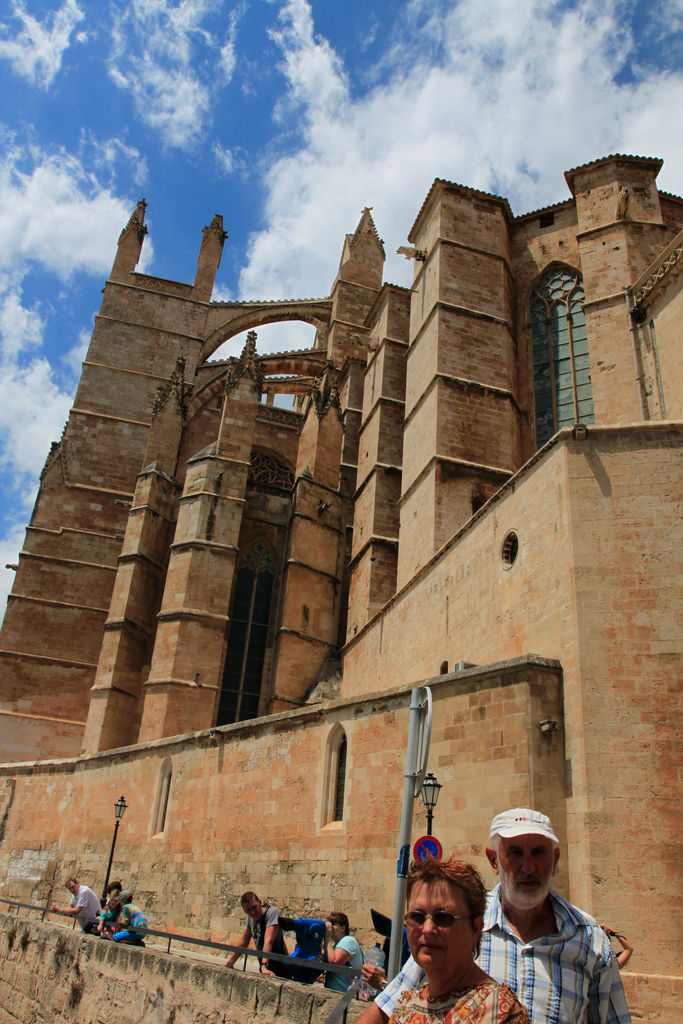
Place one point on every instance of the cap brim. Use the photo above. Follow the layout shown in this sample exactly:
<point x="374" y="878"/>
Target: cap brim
<point x="527" y="830"/>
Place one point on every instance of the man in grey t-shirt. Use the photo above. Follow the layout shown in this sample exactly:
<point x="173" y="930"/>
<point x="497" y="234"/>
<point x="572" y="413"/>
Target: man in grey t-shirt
<point x="262" y="924"/>
<point x="85" y="906"/>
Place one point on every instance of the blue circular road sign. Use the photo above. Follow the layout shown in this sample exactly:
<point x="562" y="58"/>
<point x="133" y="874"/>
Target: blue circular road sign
<point x="427" y="846"/>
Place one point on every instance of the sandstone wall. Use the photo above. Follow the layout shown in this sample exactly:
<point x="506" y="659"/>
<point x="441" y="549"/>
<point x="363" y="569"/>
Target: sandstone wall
<point x="50" y="974"/>
<point x="249" y="806"/>
<point x="598" y="524"/>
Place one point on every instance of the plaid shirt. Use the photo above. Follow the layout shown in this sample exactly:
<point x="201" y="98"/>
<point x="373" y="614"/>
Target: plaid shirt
<point x="570" y="977"/>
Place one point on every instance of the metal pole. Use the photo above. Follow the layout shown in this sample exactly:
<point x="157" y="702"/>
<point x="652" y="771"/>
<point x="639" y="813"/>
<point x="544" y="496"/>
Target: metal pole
<point x="637" y="362"/>
<point x="416" y="705"/>
<point x="111" y="857"/>
<point x="430" y="818"/>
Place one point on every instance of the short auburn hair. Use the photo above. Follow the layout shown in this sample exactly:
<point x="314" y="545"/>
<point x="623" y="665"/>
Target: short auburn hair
<point x="456" y="873"/>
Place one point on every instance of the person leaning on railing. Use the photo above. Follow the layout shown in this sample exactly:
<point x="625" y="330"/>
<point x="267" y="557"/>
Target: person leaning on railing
<point x="262" y="924"/>
<point x="84" y="906"/>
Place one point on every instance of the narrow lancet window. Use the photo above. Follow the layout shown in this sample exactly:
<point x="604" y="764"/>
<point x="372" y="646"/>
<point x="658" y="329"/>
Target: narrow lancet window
<point x="562" y="381"/>
<point x="163" y="793"/>
<point x="247" y="637"/>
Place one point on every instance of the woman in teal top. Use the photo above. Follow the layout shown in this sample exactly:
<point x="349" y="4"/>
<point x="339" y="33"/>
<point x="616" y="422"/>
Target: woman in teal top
<point x="340" y="948"/>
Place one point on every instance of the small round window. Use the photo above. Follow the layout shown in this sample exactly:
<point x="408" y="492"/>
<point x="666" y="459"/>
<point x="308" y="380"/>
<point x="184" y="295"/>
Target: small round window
<point x="510" y="549"/>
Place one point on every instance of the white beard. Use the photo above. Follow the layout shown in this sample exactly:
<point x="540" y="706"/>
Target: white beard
<point x="521" y="898"/>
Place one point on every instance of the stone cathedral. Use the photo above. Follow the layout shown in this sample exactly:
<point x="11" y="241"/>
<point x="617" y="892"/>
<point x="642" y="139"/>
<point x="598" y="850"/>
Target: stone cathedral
<point x="222" y="604"/>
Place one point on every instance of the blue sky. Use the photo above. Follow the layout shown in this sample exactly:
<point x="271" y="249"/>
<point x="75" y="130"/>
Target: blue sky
<point x="287" y="117"/>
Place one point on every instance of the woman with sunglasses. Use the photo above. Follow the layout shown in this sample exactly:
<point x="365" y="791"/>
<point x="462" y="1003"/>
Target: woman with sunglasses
<point x="444" y="921"/>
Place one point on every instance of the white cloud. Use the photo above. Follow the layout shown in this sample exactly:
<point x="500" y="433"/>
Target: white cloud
<point x="170" y="64"/>
<point x="281" y="337"/>
<point x="519" y="93"/>
<point x="224" y="158"/>
<point x="107" y="154"/>
<point x="74" y="357"/>
<point x="228" y="57"/>
<point x="37" y="49"/>
<point x="11" y="542"/>
<point x="20" y="328"/>
<point x="33" y="411"/>
<point x="316" y="76"/>
<point x="54" y="213"/>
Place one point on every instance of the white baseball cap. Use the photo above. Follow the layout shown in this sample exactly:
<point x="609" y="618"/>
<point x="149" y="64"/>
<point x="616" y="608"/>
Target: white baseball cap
<point x="521" y="821"/>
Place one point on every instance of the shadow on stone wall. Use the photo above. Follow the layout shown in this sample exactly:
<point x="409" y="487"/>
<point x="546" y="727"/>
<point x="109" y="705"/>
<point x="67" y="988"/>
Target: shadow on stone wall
<point x="48" y="973"/>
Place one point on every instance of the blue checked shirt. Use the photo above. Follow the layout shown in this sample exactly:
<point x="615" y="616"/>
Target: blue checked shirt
<point x="570" y="977"/>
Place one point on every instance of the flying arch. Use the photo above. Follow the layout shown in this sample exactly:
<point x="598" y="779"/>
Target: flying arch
<point x="232" y="318"/>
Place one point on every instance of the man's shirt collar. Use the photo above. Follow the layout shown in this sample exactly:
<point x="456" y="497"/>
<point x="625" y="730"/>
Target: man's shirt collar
<point x="567" y="921"/>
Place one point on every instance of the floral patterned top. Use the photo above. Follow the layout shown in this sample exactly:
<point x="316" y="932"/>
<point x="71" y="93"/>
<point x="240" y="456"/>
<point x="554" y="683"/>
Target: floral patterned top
<point x="487" y="1003"/>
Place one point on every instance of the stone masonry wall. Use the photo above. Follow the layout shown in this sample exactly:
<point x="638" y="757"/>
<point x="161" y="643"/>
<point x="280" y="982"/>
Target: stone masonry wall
<point x="48" y="973"/>
<point x="226" y="829"/>
<point x="598" y="525"/>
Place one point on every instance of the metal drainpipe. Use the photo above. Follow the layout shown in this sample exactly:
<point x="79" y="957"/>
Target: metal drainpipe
<point x="659" y="369"/>
<point x="639" y="377"/>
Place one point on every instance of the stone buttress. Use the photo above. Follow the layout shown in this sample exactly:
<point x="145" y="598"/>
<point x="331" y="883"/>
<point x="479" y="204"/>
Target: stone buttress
<point x="461" y="438"/>
<point x="182" y="690"/>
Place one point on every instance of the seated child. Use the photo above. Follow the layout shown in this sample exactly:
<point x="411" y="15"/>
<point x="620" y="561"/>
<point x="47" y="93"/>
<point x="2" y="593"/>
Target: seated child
<point x="110" y="911"/>
<point x="131" y="926"/>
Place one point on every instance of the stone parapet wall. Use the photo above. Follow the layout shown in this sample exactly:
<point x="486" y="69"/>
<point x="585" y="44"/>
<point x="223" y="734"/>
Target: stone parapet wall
<point x="48" y="973"/>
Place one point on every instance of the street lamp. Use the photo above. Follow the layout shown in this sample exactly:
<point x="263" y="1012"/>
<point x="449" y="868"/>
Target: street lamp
<point x="119" y="808"/>
<point x="430" y="794"/>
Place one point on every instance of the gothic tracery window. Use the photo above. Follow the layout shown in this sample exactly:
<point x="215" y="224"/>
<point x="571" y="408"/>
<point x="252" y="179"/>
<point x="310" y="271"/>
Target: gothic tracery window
<point x="562" y="382"/>
<point x="266" y="469"/>
<point x="247" y="638"/>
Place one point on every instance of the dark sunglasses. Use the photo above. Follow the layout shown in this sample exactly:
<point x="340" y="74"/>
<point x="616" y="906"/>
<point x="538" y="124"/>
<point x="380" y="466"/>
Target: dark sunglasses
<point x="440" y="919"/>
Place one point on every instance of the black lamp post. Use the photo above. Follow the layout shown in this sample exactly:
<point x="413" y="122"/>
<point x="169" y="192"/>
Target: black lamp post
<point x="119" y="808"/>
<point x="430" y="794"/>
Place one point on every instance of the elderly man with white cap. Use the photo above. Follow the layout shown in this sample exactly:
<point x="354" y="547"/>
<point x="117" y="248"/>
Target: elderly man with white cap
<point x="554" y="956"/>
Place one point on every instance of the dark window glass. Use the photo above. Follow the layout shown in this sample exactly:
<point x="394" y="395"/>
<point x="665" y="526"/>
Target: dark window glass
<point x="340" y="782"/>
<point x="247" y="637"/>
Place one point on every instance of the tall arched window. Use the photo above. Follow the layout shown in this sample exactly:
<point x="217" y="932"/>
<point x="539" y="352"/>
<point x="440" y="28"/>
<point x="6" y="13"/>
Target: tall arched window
<point x="340" y="781"/>
<point x="334" y="782"/>
<point x="243" y="671"/>
<point x="163" y="793"/>
<point x="562" y="381"/>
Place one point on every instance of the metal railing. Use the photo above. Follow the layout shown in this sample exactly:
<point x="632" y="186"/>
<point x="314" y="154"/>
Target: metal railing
<point x="169" y="937"/>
